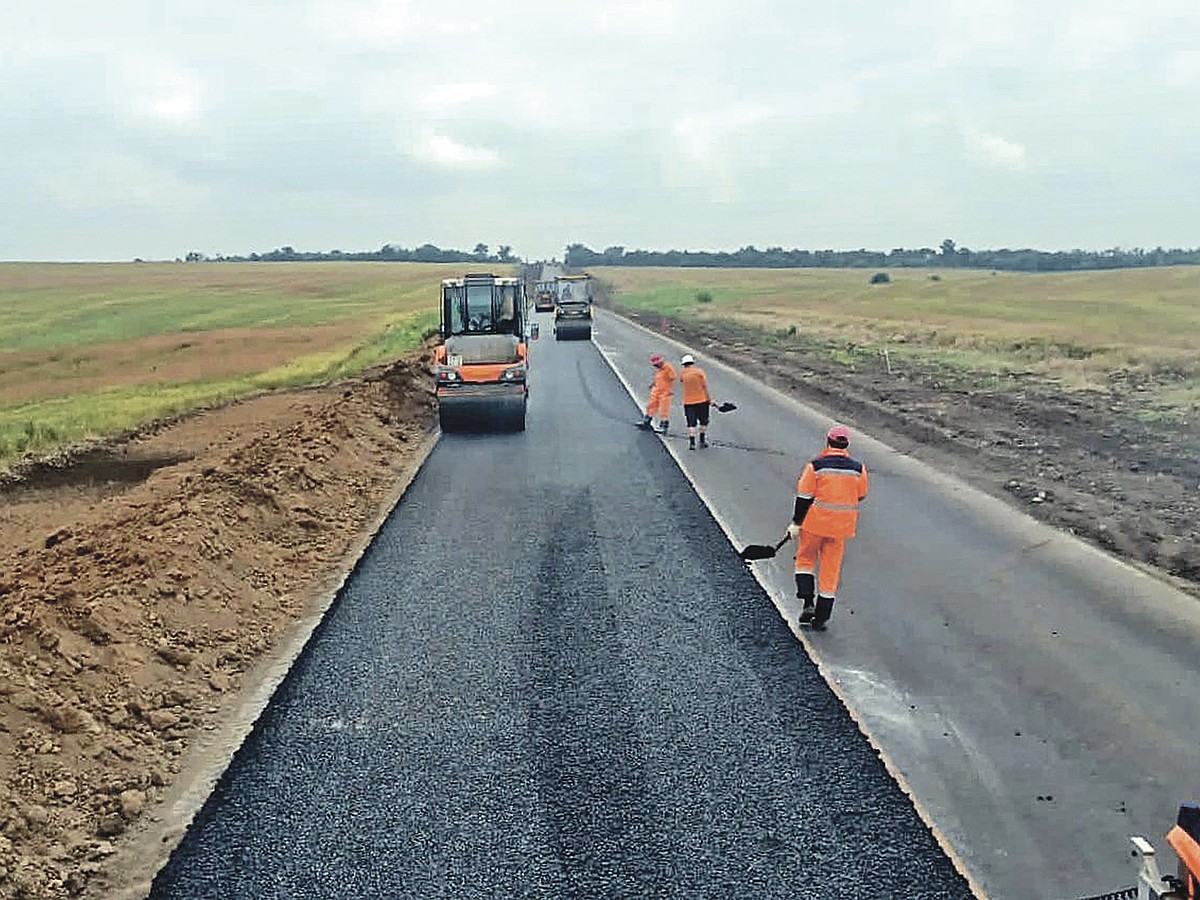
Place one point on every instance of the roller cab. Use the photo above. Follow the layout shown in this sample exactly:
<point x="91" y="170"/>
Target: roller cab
<point x="573" y="308"/>
<point x="482" y="364"/>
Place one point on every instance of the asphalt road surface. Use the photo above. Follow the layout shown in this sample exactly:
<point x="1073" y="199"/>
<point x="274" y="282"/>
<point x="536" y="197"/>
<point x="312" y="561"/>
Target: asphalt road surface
<point x="1037" y="697"/>
<point x="551" y="677"/>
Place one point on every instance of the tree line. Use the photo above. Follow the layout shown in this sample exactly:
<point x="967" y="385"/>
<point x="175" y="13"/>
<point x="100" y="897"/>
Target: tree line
<point x="946" y="255"/>
<point x="387" y="253"/>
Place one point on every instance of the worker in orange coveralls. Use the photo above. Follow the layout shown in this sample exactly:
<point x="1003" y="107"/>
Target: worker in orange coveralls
<point x="696" y="400"/>
<point x="662" y="389"/>
<point x="825" y="517"/>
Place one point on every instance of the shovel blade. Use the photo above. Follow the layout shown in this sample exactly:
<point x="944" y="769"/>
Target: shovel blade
<point x="758" y="551"/>
<point x="727" y="407"/>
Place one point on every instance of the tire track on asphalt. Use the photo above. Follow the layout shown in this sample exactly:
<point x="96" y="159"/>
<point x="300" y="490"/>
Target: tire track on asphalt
<point x="587" y="746"/>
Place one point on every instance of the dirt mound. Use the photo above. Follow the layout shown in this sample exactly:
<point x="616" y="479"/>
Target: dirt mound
<point x="140" y="578"/>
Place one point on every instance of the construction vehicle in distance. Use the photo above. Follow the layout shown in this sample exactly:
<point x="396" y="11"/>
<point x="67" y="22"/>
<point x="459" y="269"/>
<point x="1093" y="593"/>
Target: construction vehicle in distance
<point x="482" y="364"/>
<point x="1184" y="839"/>
<point x="573" y="307"/>
<point x="543" y="297"/>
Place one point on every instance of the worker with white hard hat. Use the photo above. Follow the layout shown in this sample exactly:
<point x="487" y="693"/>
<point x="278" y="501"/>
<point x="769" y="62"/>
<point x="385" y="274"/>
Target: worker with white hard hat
<point x="696" y="400"/>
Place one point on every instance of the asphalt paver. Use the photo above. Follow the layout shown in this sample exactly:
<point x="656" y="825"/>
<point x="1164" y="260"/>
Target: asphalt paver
<point x="551" y="676"/>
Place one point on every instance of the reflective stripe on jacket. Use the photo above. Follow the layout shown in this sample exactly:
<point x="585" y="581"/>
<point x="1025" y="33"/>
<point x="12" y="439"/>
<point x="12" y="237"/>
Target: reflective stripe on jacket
<point x="695" y="385"/>
<point x="836" y="483"/>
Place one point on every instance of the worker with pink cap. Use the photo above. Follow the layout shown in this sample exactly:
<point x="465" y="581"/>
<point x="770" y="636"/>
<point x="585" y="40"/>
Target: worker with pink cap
<point x="662" y="389"/>
<point x="824" y="518"/>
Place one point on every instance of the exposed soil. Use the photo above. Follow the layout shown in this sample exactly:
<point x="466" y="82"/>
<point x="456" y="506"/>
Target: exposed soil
<point x="1080" y="460"/>
<point x="141" y="578"/>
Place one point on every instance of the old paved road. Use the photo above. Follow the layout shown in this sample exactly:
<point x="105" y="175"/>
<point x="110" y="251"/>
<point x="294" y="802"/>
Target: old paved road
<point x="550" y="677"/>
<point x="1038" y="697"/>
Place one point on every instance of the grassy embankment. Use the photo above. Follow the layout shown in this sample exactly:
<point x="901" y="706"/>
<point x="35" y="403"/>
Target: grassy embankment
<point x="1080" y="329"/>
<point x="88" y="350"/>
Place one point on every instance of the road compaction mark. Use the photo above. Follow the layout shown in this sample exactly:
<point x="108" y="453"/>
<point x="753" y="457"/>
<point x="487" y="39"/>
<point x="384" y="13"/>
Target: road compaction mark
<point x="624" y="420"/>
<point x="591" y="398"/>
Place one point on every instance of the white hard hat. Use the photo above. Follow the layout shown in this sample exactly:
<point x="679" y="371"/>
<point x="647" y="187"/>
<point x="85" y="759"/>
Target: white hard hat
<point x="687" y="359"/>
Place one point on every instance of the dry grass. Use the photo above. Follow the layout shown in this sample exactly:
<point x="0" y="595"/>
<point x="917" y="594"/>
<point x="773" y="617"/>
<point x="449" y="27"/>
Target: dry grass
<point x="91" y="349"/>
<point x="1077" y="327"/>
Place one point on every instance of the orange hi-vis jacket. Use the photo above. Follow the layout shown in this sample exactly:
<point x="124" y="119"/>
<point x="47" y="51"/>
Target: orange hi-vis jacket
<point x="661" y="390"/>
<point x="664" y="382"/>
<point x="835" y="482"/>
<point x="695" y="385"/>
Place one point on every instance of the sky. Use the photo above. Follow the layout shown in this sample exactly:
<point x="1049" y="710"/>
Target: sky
<point x="152" y="128"/>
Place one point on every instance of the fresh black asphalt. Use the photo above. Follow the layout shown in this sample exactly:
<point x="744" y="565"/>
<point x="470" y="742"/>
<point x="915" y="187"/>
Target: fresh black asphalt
<point x="550" y="676"/>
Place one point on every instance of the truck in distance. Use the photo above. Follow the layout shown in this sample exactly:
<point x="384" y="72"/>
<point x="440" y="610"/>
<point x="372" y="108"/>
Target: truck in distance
<point x="543" y="297"/>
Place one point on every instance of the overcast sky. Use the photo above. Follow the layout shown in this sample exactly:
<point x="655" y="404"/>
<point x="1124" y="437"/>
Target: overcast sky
<point x="148" y="128"/>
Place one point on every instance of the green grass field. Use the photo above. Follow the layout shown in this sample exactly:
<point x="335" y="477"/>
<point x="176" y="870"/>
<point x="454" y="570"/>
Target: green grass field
<point x="1079" y="328"/>
<point x="88" y="350"/>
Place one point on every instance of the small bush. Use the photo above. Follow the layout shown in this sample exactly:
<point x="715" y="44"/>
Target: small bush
<point x="935" y="277"/>
<point x="881" y="278"/>
<point x="703" y="297"/>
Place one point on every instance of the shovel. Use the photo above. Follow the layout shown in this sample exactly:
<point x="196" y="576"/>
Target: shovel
<point x="762" y="551"/>
<point x="725" y="407"/>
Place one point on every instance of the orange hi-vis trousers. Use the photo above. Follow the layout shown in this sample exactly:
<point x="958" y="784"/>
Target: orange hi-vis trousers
<point x="822" y="556"/>
<point x="660" y="404"/>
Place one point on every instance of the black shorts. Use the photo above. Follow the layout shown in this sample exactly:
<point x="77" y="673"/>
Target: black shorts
<point x="696" y="413"/>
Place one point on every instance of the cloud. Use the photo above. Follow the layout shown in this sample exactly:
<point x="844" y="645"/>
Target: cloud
<point x="1183" y="68"/>
<point x="705" y="149"/>
<point x="111" y="182"/>
<point x="390" y="23"/>
<point x="646" y="17"/>
<point x="446" y="152"/>
<point x="155" y="86"/>
<point x="380" y="22"/>
<point x="995" y="151"/>
<point x="1091" y="36"/>
<point x="457" y="94"/>
<point x="624" y="121"/>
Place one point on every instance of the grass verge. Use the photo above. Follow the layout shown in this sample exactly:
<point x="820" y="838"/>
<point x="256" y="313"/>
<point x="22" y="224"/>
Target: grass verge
<point x="82" y="346"/>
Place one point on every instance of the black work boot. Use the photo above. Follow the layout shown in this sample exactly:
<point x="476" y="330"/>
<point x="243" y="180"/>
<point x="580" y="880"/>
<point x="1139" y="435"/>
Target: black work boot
<point x="824" y="611"/>
<point x="805" y="588"/>
<point x="692" y="443"/>
<point x="663" y="430"/>
<point x="703" y="440"/>
<point x="645" y="423"/>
